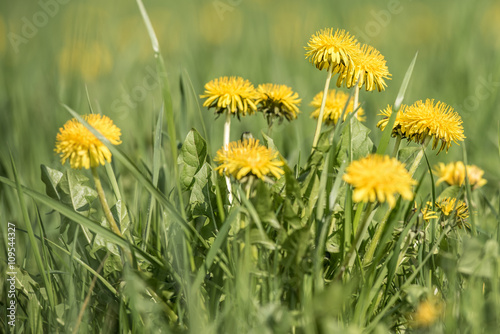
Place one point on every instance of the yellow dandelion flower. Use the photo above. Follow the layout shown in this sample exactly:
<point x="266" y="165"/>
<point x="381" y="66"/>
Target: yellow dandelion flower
<point x="454" y="174"/>
<point x="248" y="157"/>
<point x="368" y="68"/>
<point x="326" y="49"/>
<point x="379" y="178"/>
<point x="438" y="121"/>
<point x="428" y="213"/>
<point x="90" y="60"/>
<point x="334" y="106"/>
<point x="427" y="313"/>
<point x="234" y="94"/>
<point x="76" y="143"/>
<point x="277" y="101"/>
<point x="387" y="112"/>
<point x="449" y="205"/>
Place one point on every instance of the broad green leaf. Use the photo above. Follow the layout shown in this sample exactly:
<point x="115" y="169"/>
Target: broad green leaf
<point x="479" y="258"/>
<point x="263" y="203"/>
<point x="192" y="156"/>
<point x="51" y="178"/>
<point x="200" y="193"/>
<point x="361" y="144"/>
<point x="74" y="193"/>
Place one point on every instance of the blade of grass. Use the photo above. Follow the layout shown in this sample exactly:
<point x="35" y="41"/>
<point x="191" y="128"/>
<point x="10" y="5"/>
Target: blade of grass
<point x="167" y="99"/>
<point x="386" y="134"/>
<point x="43" y="268"/>
<point x="82" y="220"/>
<point x="156" y="172"/>
<point x="468" y="194"/>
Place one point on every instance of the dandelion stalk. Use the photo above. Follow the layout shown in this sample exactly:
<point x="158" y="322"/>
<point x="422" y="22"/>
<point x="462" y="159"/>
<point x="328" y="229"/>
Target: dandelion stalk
<point x="356" y="95"/>
<point x="420" y="155"/>
<point x="227" y="130"/>
<point x="396" y="146"/>
<point x="104" y="203"/>
<point x="322" y="110"/>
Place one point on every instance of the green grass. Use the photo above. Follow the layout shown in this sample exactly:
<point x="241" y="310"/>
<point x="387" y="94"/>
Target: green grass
<point x="271" y="263"/>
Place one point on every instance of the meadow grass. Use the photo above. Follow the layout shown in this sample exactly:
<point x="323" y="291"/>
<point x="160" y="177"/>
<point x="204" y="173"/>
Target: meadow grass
<point x="292" y="257"/>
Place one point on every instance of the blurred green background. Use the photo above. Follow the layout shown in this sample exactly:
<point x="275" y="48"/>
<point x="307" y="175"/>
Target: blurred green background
<point x="52" y="52"/>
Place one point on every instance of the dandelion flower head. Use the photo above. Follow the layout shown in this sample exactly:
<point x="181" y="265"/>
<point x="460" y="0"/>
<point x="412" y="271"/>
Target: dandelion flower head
<point x="248" y="157"/>
<point x="454" y="174"/>
<point x="436" y="120"/>
<point x="277" y="101"/>
<point x="334" y="106"/>
<point x="232" y="94"/>
<point x="368" y="68"/>
<point x="326" y="49"/>
<point x="387" y="112"/>
<point x="379" y="178"/>
<point x="427" y="313"/>
<point x="76" y="143"/>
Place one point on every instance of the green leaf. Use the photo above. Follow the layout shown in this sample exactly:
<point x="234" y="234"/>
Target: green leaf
<point x="406" y="154"/>
<point x="75" y="194"/>
<point x="263" y="203"/>
<point x="51" y="178"/>
<point x="361" y="144"/>
<point x="479" y="258"/>
<point x="192" y="156"/>
<point x="451" y="192"/>
<point x="200" y="193"/>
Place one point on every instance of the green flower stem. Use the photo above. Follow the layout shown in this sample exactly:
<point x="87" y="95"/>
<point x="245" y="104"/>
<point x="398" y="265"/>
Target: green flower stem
<point x="322" y="109"/>
<point x="420" y="155"/>
<point x="396" y="146"/>
<point x="104" y="203"/>
<point x="356" y="96"/>
<point x="227" y="130"/>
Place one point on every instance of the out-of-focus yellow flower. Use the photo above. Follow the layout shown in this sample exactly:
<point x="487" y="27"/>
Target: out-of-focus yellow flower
<point x="89" y="60"/>
<point x="334" y="106"/>
<point x="379" y="178"/>
<point x="277" y="101"/>
<point x="232" y="94"/>
<point x="427" y="313"/>
<point x="368" y="68"/>
<point x="248" y="157"/>
<point x="326" y="49"/>
<point x="76" y="143"/>
<point x="454" y="174"/>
